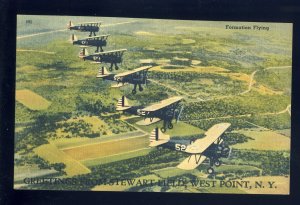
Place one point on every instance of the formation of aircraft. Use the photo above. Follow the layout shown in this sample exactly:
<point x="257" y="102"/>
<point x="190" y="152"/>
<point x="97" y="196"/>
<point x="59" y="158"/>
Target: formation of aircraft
<point x="165" y="110"/>
<point x="96" y="41"/>
<point x="91" y="27"/>
<point x="211" y="147"/>
<point x="136" y="77"/>
<point x="113" y="57"/>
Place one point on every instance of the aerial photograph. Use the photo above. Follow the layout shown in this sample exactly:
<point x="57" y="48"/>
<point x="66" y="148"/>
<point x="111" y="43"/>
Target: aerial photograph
<point x="152" y="105"/>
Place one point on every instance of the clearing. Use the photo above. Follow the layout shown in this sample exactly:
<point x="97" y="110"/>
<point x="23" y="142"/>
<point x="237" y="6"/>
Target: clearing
<point x="52" y="154"/>
<point x="264" y="140"/>
<point x="32" y="100"/>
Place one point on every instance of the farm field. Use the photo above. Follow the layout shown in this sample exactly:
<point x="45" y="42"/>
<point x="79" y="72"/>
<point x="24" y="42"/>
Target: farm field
<point x="115" y="157"/>
<point x="32" y="100"/>
<point x="53" y="155"/>
<point x="264" y="140"/>
<point x="101" y="149"/>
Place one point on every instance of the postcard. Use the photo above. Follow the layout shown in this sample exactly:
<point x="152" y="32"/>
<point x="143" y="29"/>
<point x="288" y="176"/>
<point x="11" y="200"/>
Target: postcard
<point x="152" y="105"/>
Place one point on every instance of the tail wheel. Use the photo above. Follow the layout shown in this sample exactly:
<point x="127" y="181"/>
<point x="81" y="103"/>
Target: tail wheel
<point x="217" y="163"/>
<point x="210" y="170"/>
<point x="170" y="126"/>
<point x="163" y="129"/>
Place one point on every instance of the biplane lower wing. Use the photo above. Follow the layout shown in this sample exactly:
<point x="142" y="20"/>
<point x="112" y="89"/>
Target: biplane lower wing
<point x="119" y="85"/>
<point x="192" y="162"/>
<point x="147" y="121"/>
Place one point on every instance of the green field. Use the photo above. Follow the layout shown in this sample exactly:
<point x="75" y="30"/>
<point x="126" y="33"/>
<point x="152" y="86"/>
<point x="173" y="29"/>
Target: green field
<point x="264" y="140"/>
<point x="32" y="100"/>
<point x="53" y="155"/>
<point x="116" y="157"/>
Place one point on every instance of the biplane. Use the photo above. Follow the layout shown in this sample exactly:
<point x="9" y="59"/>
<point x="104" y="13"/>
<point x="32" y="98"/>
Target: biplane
<point x="96" y="41"/>
<point x="165" y="110"/>
<point x="113" y="57"/>
<point x="137" y="77"/>
<point x="211" y="147"/>
<point x="91" y="27"/>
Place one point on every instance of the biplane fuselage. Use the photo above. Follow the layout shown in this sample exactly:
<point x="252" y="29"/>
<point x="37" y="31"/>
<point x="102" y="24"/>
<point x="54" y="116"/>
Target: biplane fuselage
<point x="85" y="28"/>
<point x="91" y="27"/>
<point x="112" y="57"/>
<point x="97" y="41"/>
<point x="214" y="151"/>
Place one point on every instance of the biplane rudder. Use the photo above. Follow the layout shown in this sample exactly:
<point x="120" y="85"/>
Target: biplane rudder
<point x="123" y="104"/>
<point x="158" y="138"/>
<point x="102" y="73"/>
<point x="83" y="53"/>
<point x="70" y="25"/>
<point x="73" y="38"/>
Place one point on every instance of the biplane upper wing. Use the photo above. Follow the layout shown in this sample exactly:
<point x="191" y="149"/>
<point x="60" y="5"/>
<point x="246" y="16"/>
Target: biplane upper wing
<point x="127" y="73"/>
<point x="162" y="104"/>
<point x="112" y="51"/>
<point x="91" y="22"/>
<point x="211" y="135"/>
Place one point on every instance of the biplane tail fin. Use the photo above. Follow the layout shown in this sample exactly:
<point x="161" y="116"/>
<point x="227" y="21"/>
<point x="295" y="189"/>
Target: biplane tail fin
<point x="123" y="104"/>
<point x="70" y="24"/>
<point x="158" y="138"/>
<point x="83" y="53"/>
<point x="102" y="72"/>
<point x="73" y="38"/>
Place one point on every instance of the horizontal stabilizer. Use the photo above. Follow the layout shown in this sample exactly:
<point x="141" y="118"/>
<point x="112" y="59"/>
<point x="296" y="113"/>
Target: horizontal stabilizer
<point x="158" y="138"/>
<point x="191" y="162"/>
<point x="102" y="73"/>
<point x="123" y="104"/>
<point x="147" y="121"/>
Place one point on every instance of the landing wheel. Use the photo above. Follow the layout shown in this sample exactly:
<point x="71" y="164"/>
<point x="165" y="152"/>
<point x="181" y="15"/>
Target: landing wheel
<point x="217" y="163"/>
<point x="210" y="170"/>
<point x="117" y="68"/>
<point x="163" y="129"/>
<point x="133" y="91"/>
<point x="110" y="69"/>
<point x="170" y="126"/>
<point x="141" y="89"/>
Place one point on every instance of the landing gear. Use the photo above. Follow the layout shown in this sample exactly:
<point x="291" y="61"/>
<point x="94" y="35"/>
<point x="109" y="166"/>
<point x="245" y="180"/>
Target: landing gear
<point x="133" y="91"/>
<point x="170" y="126"/>
<point x="163" y="129"/>
<point x="140" y="88"/>
<point x="217" y="163"/>
<point x="210" y="170"/>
